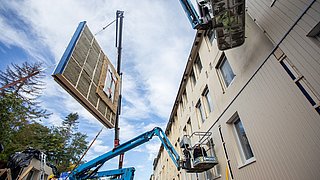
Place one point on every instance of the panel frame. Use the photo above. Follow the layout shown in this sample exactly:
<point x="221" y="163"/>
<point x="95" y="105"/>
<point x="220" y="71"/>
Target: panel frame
<point x="107" y="117"/>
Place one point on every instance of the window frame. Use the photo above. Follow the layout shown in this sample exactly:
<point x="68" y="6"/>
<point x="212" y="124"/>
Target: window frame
<point x="244" y="160"/>
<point x="211" y="35"/>
<point x="200" y="112"/>
<point x="208" y="99"/>
<point x="184" y="130"/>
<point x="222" y="61"/>
<point x="189" y="127"/>
<point x="198" y="64"/>
<point x="193" y="79"/>
<point x="184" y="98"/>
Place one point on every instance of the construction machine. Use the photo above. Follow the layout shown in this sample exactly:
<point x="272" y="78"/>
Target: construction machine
<point x="89" y="170"/>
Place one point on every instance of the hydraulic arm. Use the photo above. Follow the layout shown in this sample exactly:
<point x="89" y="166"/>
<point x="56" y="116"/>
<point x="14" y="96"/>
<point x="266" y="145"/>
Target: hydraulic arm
<point x="191" y="14"/>
<point x="85" y="171"/>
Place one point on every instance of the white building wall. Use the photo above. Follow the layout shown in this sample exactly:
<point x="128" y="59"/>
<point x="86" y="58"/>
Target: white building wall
<point x="281" y="122"/>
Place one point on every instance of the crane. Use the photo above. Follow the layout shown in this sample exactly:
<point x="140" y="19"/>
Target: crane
<point x="90" y="169"/>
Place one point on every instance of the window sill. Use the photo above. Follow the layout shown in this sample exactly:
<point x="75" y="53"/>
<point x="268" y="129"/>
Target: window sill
<point x="217" y="177"/>
<point x="225" y="87"/>
<point x="248" y="162"/>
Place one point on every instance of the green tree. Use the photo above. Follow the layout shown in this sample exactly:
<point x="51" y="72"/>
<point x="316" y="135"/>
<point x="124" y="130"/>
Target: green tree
<point x="19" y="110"/>
<point x="74" y="143"/>
<point x="18" y="103"/>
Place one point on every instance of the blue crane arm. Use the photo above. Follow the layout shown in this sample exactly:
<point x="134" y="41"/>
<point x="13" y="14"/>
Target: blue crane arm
<point x="82" y="171"/>
<point x="191" y="13"/>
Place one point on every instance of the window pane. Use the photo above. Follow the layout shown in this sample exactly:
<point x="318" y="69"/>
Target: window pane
<point x="227" y="72"/>
<point x="193" y="78"/>
<point x="211" y="35"/>
<point x="243" y="139"/>
<point x="189" y="127"/>
<point x="201" y="113"/>
<point x="208" y="100"/>
<point x="198" y="64"/>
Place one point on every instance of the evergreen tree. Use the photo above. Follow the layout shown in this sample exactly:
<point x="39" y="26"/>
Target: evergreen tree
<point x="19" y="109"/>
<point x="18" y="103"/>
<point x="74" y="143"/>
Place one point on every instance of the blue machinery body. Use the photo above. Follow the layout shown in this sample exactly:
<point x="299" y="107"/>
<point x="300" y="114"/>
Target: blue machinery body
<point x="84" y="171"/>
<point x="191" y="13"/>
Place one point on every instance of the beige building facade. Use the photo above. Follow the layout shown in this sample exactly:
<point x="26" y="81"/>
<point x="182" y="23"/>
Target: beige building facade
<point x="259" y="101"/>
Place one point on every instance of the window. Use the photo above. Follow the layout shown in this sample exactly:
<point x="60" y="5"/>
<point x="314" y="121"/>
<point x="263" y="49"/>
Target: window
<point x="211" y="35"/>
<point x="193" y="78"/>
<point x="184" y="99"/>
<point x="214" y="172"/>
<point x="198" y="64"/>
<point x="201" y="114"/>
<point x="109" y="84"/>
<point x="189" y="127"/>
<point x="315" y="32"/>
<point x="181" y="108"/>
<point x="243" y="140"/>
<point x="184" y="130"/>
<point x="226" y="71"/>
<point x="208" y="100"/>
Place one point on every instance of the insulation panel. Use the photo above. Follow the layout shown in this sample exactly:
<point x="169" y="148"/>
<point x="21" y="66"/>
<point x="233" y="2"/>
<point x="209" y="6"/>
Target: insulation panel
<point x="86" y="73"/>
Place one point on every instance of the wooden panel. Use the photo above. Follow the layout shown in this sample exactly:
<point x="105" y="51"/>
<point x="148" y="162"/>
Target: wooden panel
<point x="79" y="72"/>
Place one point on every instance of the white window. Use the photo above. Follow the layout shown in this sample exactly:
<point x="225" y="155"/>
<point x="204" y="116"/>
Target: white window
<point x="184" y="99"/>
<point x="198" y="64"/>
<point x="109" y="84"/>
<point x="181" y="108"/>
<point x="245" y="148"/>
<point x="208" y="100"/>
<point x="226" y="72"/>
<point x="193" y="78"/>
<point x="200" y="112"/>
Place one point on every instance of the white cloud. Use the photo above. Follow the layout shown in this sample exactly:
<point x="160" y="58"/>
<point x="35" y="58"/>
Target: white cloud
<point x="99" y="147"/>
<point x="152" y="149"/>
<point x="55" y="119"/>
<point x="128" y="130"/>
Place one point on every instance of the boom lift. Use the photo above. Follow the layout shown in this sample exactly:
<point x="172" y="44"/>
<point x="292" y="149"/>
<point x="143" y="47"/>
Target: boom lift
<point x="85" y="171"/>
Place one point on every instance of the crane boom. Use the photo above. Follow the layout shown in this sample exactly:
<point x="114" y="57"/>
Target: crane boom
<point x="83" y="171"/>
<point x="191" y="13"/>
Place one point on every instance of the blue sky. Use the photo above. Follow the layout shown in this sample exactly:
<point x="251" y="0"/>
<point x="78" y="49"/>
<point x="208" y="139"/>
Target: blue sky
<point x="156" y="43"/>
